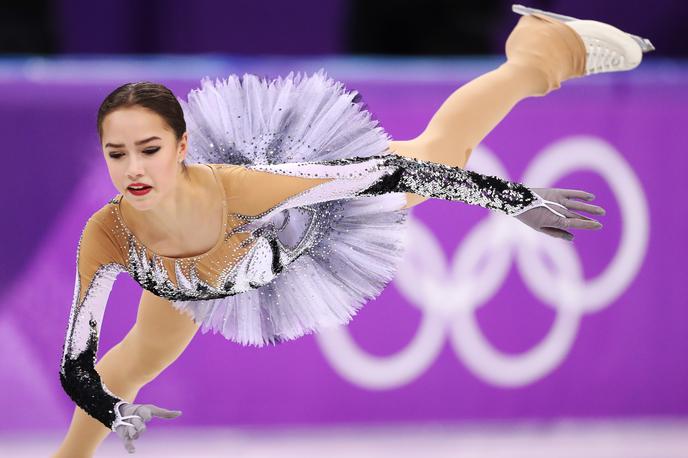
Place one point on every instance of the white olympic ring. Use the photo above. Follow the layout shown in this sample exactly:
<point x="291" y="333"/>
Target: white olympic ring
<point x="450" y="298"/>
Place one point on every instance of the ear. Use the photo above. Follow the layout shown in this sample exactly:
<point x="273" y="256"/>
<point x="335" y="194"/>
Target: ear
<point x="183" y="146"/>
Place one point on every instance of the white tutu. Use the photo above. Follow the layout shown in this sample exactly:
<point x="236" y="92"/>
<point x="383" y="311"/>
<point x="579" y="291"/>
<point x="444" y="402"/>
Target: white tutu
<point x="252" y="120"/>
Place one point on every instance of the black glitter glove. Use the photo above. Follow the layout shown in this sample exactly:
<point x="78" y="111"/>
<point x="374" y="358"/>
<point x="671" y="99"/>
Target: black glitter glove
<point x="440" y="181"/>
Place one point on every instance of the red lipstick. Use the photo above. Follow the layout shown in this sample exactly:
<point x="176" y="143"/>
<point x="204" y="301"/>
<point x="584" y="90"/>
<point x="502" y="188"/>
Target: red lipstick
<point x="139" y="189"/>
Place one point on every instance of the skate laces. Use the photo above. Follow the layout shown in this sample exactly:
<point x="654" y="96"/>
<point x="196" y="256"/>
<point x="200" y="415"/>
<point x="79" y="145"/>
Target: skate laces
<point x="600" y="57"/>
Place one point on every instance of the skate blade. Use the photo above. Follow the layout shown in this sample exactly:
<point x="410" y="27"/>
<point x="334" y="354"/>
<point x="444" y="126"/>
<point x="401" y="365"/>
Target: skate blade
<point x="644" y="43"/>
<point x="526" y="10"/>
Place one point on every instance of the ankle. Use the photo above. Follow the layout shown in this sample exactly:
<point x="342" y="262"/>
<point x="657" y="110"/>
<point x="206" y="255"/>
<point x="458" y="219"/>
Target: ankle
<point x="565" y="48"/>
<point x="543" y="47"/>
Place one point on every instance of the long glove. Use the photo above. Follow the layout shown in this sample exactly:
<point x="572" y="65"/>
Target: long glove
<point x="556" y="216"/>
<point x="545" y="210"/>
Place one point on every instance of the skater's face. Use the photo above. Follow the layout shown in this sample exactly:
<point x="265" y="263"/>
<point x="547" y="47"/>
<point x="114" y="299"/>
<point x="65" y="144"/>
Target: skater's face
<point x="140" y="147"/>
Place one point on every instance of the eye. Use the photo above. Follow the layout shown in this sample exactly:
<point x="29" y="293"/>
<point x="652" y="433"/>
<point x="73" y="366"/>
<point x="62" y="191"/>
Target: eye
<point x="151" y="150"/>
<point x="116" y="155"/>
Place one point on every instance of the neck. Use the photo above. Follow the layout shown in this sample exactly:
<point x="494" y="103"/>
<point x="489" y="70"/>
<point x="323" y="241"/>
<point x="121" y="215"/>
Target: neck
<point x="169" y="215"/>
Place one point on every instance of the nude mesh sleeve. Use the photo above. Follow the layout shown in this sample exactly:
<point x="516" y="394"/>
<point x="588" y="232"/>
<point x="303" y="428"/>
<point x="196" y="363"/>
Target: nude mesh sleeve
<point x="276" y="187"/>
<point x="95" y="275"/>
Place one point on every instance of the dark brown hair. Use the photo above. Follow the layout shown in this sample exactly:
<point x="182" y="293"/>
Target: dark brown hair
<point x="153" y="96"/>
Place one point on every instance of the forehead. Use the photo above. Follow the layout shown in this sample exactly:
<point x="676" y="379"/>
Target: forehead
<point x="131" y="122"/>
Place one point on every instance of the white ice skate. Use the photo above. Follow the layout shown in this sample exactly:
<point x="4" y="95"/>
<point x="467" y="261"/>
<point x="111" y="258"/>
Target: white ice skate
<point x="608" y="49"/>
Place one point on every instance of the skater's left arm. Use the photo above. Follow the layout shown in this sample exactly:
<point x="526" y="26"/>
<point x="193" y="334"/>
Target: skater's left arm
<point x="271" y="188"/>
<point x="261" y="191"/>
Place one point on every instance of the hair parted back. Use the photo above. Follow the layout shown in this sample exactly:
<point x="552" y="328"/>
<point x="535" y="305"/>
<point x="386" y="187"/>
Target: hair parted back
<point x="154" y="96"/>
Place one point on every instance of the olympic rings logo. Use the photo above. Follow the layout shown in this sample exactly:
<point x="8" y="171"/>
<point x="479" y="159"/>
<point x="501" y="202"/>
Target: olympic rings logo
<point x="449" y="297"/>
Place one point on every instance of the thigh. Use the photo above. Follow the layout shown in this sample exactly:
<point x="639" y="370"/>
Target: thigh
<point x="161" y="332"/>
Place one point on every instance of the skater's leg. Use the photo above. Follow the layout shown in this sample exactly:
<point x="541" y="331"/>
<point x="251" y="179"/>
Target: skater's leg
<point x="541" y="54"/>
<point x="160" y="335"/>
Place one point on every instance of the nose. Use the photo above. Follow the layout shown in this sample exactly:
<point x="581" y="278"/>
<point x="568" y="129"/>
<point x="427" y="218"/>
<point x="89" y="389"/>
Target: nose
<point x="134" y="167"/>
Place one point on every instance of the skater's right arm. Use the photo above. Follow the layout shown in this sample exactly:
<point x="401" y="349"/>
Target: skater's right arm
<point x="98" y="263"/>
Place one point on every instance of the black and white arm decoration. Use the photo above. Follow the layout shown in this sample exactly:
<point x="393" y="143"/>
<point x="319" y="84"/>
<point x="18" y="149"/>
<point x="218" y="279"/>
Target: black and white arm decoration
<point x="382" y="174"/>
<point x="94" y="279"/>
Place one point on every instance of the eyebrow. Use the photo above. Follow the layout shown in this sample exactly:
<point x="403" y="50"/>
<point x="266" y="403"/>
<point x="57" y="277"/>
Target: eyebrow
<point x="140" y="142"/>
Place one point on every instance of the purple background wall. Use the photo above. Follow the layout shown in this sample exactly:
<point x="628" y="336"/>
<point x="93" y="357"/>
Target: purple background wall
<point x="306" y="27"/>
<point x="201" y="26"/>
<point x="594" y="328"/>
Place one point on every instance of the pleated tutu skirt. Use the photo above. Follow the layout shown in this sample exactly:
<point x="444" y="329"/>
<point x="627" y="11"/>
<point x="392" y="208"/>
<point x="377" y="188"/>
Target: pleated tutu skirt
<point x="254" y="120"/>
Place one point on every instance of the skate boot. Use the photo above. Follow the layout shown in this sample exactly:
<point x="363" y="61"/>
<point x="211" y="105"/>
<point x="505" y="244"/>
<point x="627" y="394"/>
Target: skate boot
<point x="607" y="48"/>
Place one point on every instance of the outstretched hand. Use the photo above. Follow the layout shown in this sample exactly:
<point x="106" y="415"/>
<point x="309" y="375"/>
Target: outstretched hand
<point x="544" y="220"/>
<point x="141" y="413"/>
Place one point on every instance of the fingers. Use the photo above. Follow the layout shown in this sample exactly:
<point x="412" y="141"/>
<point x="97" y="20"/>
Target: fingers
<point x="557" y="233"/>
<point x="121" y="431"/>
<point x="163" y="413"/>
<point x="575" y="221"/>
<point x="130" y="433"/>
<point x="571" y="194"/>
<point x="124" y="433"/>
<point x="139" y="426"/>
<point x="144" y="412"/>
<point x="129" y="439"/>
<point x="582" y="206"/>
<point x="587" y="223"/>
<point x="577" y="194"/>
<point x="129" y="445"/>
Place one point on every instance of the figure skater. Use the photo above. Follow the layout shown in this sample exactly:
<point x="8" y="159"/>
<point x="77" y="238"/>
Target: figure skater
<point x="266" y="210"/>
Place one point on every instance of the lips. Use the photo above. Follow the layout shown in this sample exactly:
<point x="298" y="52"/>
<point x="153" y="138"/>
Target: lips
<point x="139" y="189"/>
<point x="138" y="186"/>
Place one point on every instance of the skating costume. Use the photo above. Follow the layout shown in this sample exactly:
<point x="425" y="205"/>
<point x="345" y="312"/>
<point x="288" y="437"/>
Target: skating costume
<point x="313" y="225"/>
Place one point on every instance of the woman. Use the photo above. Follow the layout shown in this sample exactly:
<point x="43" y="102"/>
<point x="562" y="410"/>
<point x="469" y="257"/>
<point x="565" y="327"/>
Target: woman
<point x="309" y="199"/>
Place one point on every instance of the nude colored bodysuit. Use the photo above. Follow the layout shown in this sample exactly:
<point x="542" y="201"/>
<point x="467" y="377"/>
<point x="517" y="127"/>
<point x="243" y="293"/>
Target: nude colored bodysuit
<point x="249" y="255"/>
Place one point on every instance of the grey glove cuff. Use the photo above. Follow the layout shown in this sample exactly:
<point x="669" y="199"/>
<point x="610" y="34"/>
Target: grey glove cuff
<point x="119" y="418"/>
<point x="540" y="202"/>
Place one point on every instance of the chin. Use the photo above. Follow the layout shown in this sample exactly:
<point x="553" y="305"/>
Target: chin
<point x="140" y="203"/>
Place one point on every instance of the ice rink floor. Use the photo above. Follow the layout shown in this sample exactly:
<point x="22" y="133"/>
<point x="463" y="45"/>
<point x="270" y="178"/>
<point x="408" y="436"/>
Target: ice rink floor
<point x="566" y="439"/>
